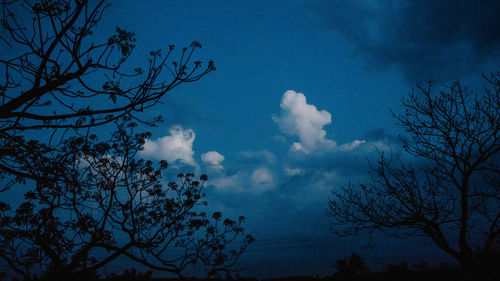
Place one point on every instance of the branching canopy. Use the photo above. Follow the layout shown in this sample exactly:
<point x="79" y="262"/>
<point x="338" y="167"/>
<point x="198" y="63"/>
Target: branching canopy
<point x="55" y="77"/>
<point x="87" y="202"/>
<point x="56" y="69"/>
<point x="455" y="197"/>
<point x="109" y="204"/>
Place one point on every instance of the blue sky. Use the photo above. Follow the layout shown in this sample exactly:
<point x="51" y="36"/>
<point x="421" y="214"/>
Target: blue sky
<point x="300" y="100"/>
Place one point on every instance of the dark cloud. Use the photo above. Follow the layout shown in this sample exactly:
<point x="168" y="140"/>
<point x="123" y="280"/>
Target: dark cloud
<point x="427" y="39"/>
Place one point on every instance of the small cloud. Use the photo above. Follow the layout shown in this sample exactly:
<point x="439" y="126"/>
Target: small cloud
<point x="214" y="159"/>
<point x="352" y="145"/>
<point x="291" y="171"/>
<point x="176" y="147"/>
<point x="296" y="146"/>
<point x="262" y="179"/>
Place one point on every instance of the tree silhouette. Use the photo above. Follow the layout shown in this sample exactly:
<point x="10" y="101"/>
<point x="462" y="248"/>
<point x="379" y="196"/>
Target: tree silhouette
<point x="111" y="204"/>
<point x="87" y="202"/>
<point x="56" y="77"/>
<point x="349" y="267"/>
<point x="453" y="197"/>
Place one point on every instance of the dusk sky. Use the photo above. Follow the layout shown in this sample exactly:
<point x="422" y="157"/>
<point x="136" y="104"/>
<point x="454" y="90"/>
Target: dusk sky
<point x="299" y="103"/>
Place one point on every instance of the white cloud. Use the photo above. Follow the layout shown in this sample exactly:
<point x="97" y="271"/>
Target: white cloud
<point x="178" y="146"/>
<point x="296" y="146"/>
<point x="298" y="118"/>
<point x="262" y="178"/>
<point x="303" y="120"/>
<point x="214" y="159"/>
<point x="352" y="145"/>
<point x="291" y="171"/>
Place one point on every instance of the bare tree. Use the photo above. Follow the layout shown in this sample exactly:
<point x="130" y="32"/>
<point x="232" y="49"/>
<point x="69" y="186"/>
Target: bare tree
<point x="453" y="196"/>
<point x="56" y="77"/>
<point x="112" y="204"/>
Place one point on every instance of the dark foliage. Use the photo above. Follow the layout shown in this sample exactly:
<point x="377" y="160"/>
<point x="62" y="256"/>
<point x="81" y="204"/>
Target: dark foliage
<point x="81" y="202"/>
<point x="131" y="275"/>
<point x="350" y="267"/>
<point x="111" y="204"/>
<point x="108" y="204"/>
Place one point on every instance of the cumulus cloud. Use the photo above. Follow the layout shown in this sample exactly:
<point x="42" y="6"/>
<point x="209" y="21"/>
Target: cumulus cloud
<point x="175" y="147"/>
<point x="417" y="36"/>
<point x="298" y="118"/>
<point x="214" y="159"/>
<point x="314" y="162"/>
